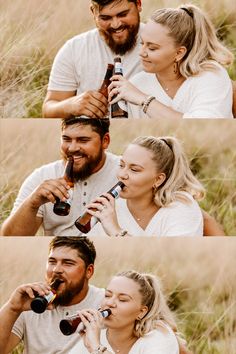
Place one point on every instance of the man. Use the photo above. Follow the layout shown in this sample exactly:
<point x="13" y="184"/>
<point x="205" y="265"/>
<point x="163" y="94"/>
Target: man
<point x="94" y="172"/>
<point x="80" y="65"/>
<point x="71" y="260"/>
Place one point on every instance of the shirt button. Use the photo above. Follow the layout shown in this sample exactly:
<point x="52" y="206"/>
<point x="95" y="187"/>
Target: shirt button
<point x="84" y="193"/>
<point x="85" y="183"/>
<point x="67" y="313"/>
<point x="84" y="203"/>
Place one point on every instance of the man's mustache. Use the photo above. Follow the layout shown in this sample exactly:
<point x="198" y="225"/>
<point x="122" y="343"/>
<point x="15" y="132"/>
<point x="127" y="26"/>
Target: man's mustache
<point x="114" y="30"/>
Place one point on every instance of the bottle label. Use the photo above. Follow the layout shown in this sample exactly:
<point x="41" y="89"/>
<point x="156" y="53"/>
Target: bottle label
<point x="69" y="200"/>
<point x="118" y="69"/>
<point x="123" y="105"/>
<point x="50" y="297"/>
<point x="116" y="192"/>
<point x="93" y="221"/>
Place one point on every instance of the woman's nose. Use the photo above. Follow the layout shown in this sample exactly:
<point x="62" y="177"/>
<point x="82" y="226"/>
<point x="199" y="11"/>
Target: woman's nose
<point x="122" y="174"/>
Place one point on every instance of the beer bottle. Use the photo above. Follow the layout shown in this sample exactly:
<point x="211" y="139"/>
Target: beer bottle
<point x="119" y="109"/>
<point x="40" y="303"/>
<point x="60" y="207"/>
<point x="86" y="221"/>
<point x="106" y="82"/>
<point x="69" y="325"/>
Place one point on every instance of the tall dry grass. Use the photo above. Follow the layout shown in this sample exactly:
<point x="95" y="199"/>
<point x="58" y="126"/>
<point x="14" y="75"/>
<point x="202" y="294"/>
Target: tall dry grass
<point x="210" y="147"/>
<point x="33" y="31"/>
<point x="198" y="278"/>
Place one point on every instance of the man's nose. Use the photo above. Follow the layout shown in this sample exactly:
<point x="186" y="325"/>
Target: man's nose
<point x="73" y="147"/>
<point x="115" y="23"/>
<point x="58" y="268"/>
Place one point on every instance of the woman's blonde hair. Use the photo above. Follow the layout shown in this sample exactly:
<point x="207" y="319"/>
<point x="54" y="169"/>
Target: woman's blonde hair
<point x="190" y="27"/>
<point x="158" y="310"/>
<point x="170" y="159"/>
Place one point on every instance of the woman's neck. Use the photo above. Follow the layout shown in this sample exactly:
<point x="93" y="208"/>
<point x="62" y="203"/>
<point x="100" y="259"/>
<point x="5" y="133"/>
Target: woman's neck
<point x="142" y="210"/>
<point x="170" y="81"/>
<point x="121" y="341"/>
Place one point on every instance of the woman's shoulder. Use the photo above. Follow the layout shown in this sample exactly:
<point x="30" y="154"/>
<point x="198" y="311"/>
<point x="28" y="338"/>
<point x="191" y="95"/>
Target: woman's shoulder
<point x="213" y="72"/>
<point x="143" y="77"/>
<point x="161" y="340"/>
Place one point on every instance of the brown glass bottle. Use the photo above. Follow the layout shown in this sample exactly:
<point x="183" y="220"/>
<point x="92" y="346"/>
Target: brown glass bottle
<point x="70" y="324"/>
<point x="106" y="82"/>
<point x="40" y="303"/>
<point x="119" y="109"/>
<point x="86" y="221"/>
<point x="60" y="207"/>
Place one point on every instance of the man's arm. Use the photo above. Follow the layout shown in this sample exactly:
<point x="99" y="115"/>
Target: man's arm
<point x="234" y="98"/>
<point x="19" y="301"/>
<point x="210" y="226"/>
<point x="62" y="104"/>
<point x="25" y="222"/>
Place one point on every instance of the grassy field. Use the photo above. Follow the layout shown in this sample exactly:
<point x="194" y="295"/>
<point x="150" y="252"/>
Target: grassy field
<point x="210" y="146"/>
<point x="198" y="279"/>
<point x="33" y="31"/>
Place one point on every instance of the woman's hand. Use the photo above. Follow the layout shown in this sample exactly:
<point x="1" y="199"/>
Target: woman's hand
<point x="120" y="88"/>
<point x="93" y="322"/>
<point x="103" y="208"/>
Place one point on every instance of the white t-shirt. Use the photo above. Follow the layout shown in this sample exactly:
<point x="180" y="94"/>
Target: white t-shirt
<point x="177" y="219"/>
<point x="154" y="342"/>
<point x="80" y="65"/>
<point x="207" y="95"/>
<point x="41" y="333"/>
<point x="84" y="192"/>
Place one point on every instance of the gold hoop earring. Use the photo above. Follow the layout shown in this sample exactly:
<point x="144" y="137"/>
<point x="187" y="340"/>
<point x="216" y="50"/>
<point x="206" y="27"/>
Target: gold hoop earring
<point x="175" y="67"/>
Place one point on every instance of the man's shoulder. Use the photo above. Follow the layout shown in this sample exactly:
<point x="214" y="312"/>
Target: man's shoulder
<point x="55" y="167"/>
<point x="85" y="37"/>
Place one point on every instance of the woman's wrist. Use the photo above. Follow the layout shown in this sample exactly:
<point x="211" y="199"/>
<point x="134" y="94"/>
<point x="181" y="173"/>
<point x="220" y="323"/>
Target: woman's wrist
<point x="99" y="349"/>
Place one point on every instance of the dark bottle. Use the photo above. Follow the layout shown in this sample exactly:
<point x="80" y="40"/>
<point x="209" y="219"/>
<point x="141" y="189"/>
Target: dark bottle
<point x="60" y="207"/>
<point x="70" y="324"/>
<point x="119" y="109"/>
<point x="106" y="82"/>
<point x="40" y="303"/>
<point x="86" y="221"/>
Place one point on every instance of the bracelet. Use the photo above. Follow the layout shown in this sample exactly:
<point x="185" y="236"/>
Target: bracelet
<point x="100" y="349"/>
<point x="121" y="233"/>
<point x="145" y="104"/>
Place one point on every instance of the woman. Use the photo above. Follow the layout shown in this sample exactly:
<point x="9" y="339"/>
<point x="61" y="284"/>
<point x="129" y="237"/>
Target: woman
<point x="159" y="197"/>
<point x="140" y="320"/>
<point x="183" y="68"/>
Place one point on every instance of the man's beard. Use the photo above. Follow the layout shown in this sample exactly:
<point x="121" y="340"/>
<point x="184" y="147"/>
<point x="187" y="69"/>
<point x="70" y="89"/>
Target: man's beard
<point x="65" y="297"/>
<point x="89" y="165"/>
<point x="121" y="48"/>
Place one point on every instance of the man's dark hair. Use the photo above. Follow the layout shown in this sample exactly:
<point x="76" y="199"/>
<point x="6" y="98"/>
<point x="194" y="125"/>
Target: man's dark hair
<point x="100" y="126"/>
<point x="82" y="244"/>
<point x="103" y="3"/>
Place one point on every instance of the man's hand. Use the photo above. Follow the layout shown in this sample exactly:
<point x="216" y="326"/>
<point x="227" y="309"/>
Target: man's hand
<point x="59" y="104"/>
<point x="21" y="298"/>
<point x="48" y="191"/>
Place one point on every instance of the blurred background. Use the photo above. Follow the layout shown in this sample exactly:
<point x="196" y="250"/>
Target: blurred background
<point x="198" y="278"/>
<point x="33" y="31"/>
<point x="210" y="146"/>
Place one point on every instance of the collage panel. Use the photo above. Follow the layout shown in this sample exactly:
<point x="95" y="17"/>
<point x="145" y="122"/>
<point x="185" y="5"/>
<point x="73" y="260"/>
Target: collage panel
<point x="197" y="196"/>
<point x="194" y="287"/>
<point x="181" y="59"/>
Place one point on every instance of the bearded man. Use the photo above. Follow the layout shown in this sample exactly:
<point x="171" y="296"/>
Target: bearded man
<point x="71" y="260"/>
<point x="94" y="172"/>
<point x="80" y="65"/>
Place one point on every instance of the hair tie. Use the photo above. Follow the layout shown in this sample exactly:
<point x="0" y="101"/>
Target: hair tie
<point x="187" y="11"/>
<point x="167" y="144"/>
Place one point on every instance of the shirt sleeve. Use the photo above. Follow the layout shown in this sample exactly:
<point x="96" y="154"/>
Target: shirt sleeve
<point x="28" y="186"/>
<point x="211" y="96"/>
<point x="62" y="76"/>
<point x="18" y="328"/>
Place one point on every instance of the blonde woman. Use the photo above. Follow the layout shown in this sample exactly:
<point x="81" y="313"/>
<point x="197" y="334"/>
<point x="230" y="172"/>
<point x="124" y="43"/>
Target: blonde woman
<point x="140" y="320"/>
<point x="160" y="194"/>
<point x="183" y="63"/>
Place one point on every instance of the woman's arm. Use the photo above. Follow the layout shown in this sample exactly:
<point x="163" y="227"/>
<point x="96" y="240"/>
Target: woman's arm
<point x="211" y="226"/>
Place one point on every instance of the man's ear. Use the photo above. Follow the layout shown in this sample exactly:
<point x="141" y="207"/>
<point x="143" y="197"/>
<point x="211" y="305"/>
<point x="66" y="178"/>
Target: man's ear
<point x="106" y="141"/>
<point x="89" y="271"/>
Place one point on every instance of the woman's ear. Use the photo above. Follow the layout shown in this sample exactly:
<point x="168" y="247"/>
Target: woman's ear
<point x="142" y="313"/>
<point x="181" y="51"/>
<point x="159" y="180"/>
